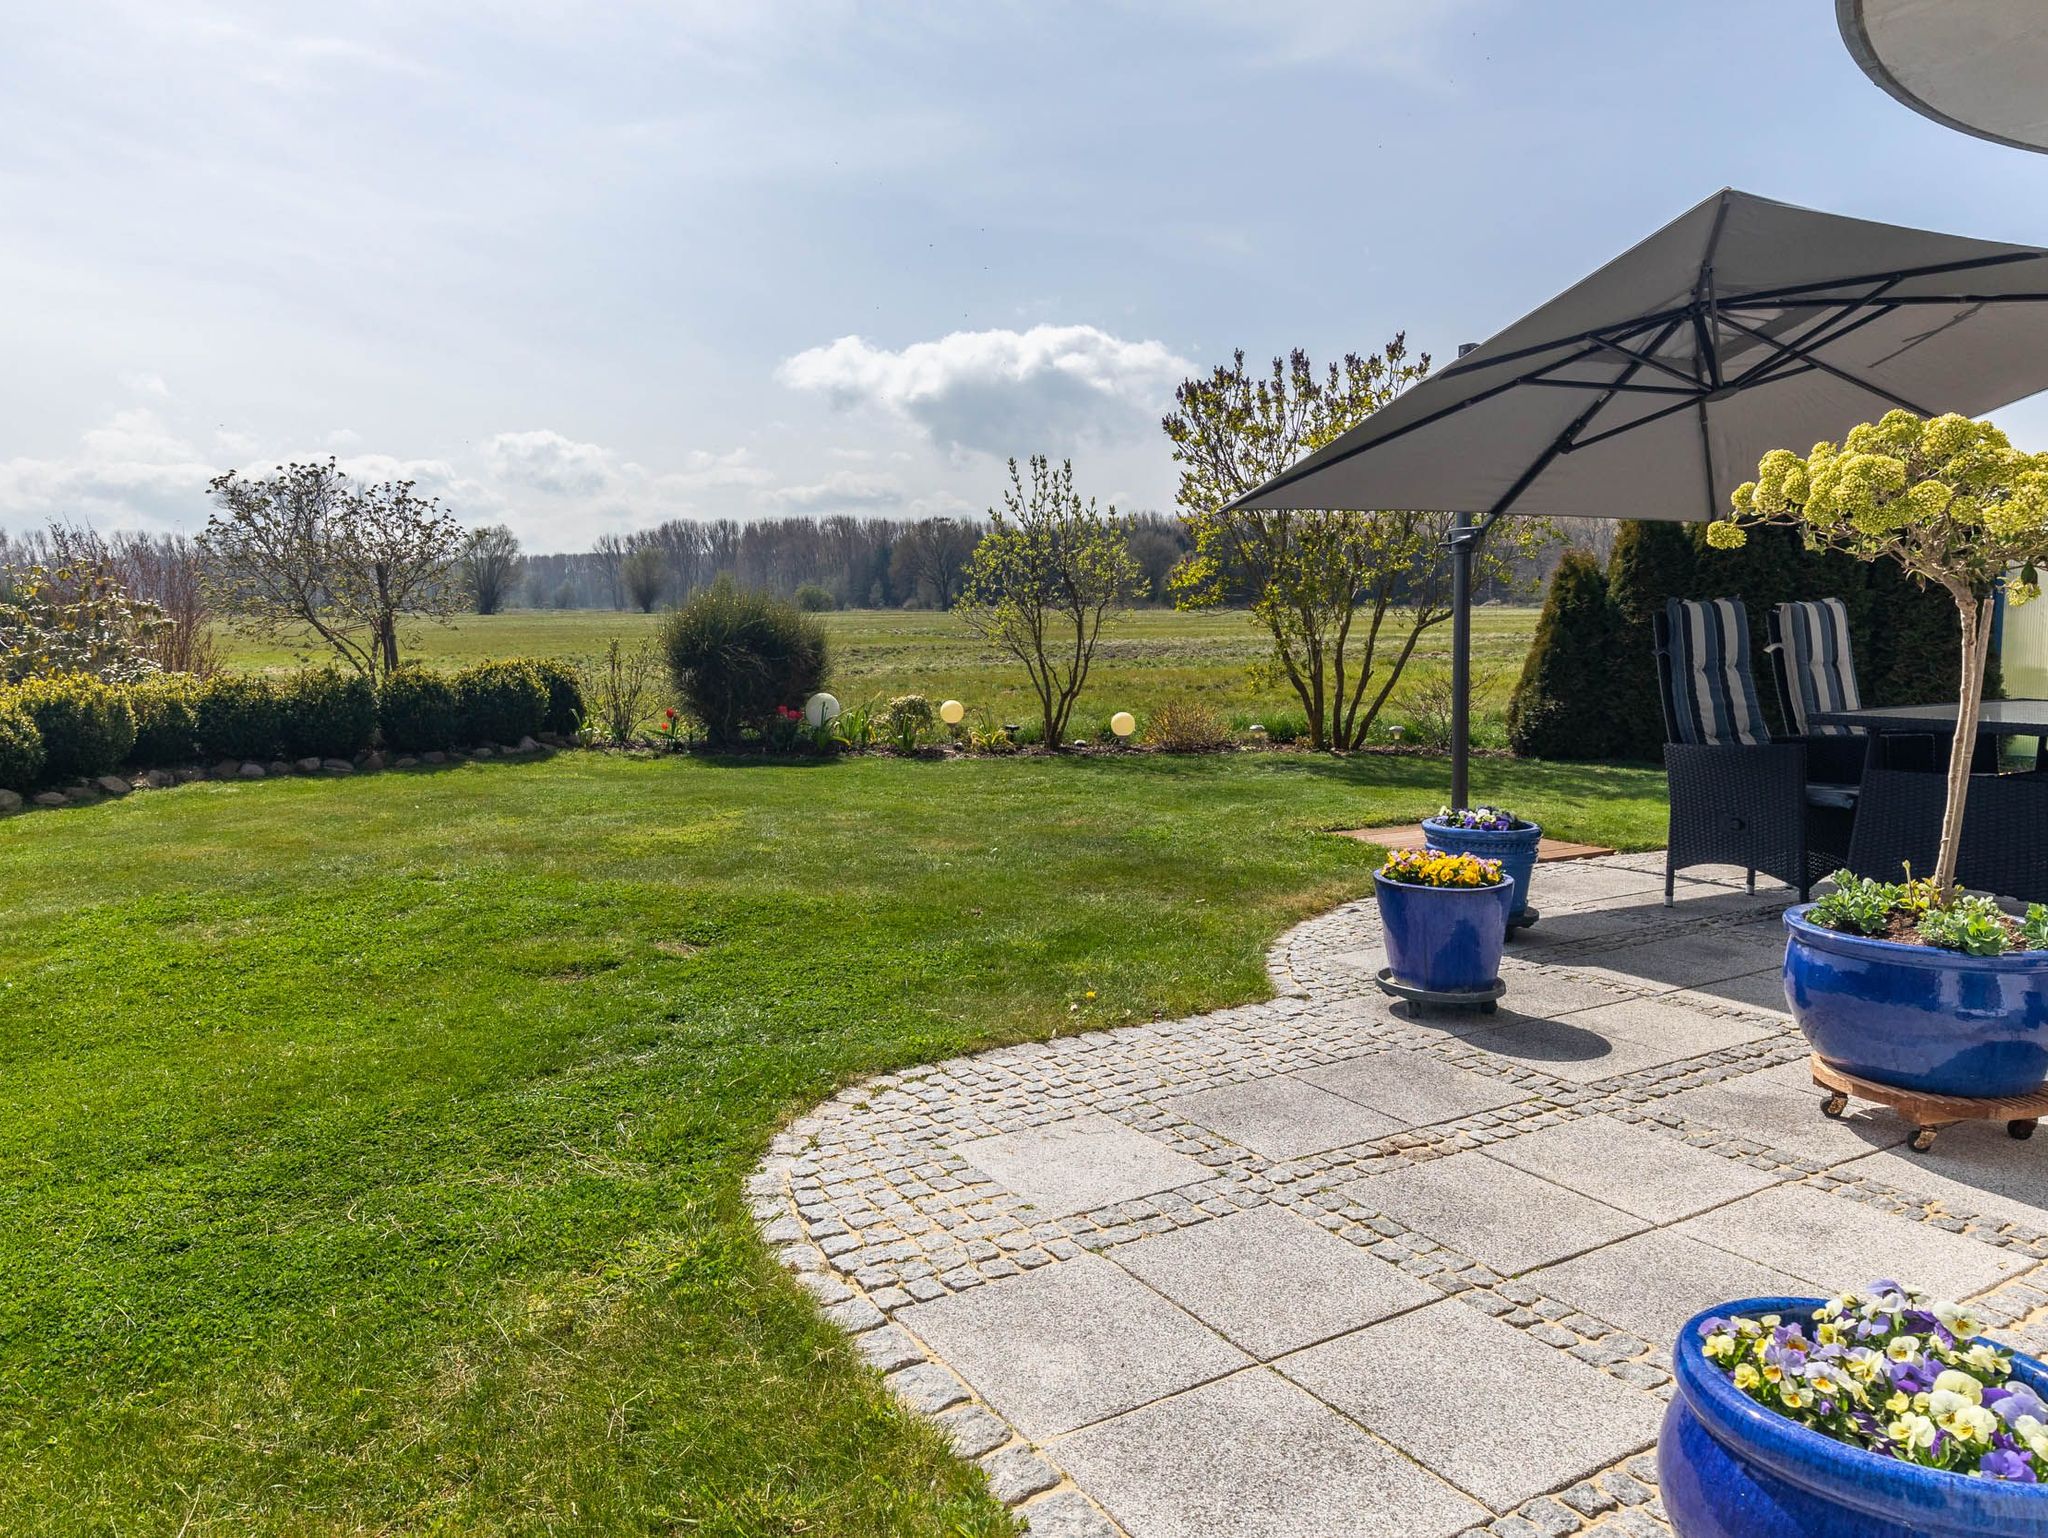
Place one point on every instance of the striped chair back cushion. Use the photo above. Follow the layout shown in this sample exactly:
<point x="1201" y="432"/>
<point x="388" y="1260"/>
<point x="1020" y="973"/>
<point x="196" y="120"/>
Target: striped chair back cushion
<point x="1710" y="695"/>
<point x="1820" y="673"/>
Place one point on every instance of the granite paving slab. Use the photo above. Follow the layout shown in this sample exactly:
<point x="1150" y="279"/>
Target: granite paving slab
<point x="1082" y="1162"/>
<point x="1457" y="1391"/>
<point x="1460" y="1243"/>
<point x="1282" y="1117"/>
<point x="1057" y="1348"/>
<point x="1270" y="1281"/>
<point x="1631" y="1168"/>
<point x="1415" y="1089"/>
<point x="1973" y="1169"/>
<point x="1652" y="1283"/>
<point x="1478" y="1206"/>
<point x="1254" y="1456"/>
<point x="1841" y="1245"/>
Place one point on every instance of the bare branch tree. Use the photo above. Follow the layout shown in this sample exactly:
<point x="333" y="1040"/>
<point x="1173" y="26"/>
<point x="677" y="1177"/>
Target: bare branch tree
<point x="307" y="553"/>
<point x="490" y="566"/>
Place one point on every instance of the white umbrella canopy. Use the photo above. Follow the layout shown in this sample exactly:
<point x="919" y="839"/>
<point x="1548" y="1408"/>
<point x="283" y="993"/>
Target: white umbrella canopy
<point x="1973" y="65"/>
<point x="1651" y="388"/>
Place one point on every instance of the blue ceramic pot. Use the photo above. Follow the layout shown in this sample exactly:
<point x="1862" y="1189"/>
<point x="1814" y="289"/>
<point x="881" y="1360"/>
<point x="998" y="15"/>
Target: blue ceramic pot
<point x="1917" y="1017"/>
<point x="1730" y="1468"/>
<point x="1445" y="939"/>
<point x="1515" y="848"/>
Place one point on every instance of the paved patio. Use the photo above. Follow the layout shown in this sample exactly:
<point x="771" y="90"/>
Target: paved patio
<point x="1325" y="1266"/>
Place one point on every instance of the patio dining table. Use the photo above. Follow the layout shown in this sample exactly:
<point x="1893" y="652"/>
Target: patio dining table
<point x="1898" y="811"/>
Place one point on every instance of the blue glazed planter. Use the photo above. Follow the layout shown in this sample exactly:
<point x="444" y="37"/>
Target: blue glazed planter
<point x="1515" y="848"/>
<point x="1730" y="1468"/>
<point x="1916" y="1017"/>
<point x="1444" y="939"/>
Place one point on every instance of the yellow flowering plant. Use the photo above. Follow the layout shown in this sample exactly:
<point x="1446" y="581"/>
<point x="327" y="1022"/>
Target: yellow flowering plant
<point x="1432" y="867"/>
<point x="1952" y="502"/>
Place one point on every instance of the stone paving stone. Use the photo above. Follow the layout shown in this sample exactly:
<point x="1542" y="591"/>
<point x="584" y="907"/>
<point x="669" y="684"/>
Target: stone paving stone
<point x="1631" y="1167"/>
<point x="1082" y="1163"/>
<point x="1651" y="1284"/>
<point x="1413" y="1087"/>
<point x="1764" y="989"/>
<point x="1065" y="1514"/>
<point x="1784" y="1118"/>
<point x="1460" y="1392"/>
<point x="1586" y="881"/>
<point x="1492" y="1212"/>
<point x="1016" y="1474"/>
<point x="1540" y="991"/>
<point x="972" y="1430"/>
<point x="1065" y="1345"/>
<point x="1841" y="1245"/>
<point x="1271" y="1282"/>
<point x="1597" y="1043"/>
<point x="1255" y="1457"/>
<point x="1974" y="1167"/>
<point x="1688" y="960"/>
<point x="1282" y="1118"/>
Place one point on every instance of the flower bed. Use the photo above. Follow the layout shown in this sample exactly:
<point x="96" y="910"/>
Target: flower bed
<point x="1431" y="867"/>
<point x="1893" y="1375"/>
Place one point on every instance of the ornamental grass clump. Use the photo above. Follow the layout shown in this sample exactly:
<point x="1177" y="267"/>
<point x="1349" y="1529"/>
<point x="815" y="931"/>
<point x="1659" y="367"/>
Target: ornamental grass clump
<point x="1894" y="1375"/>
<point x="1953" y="503"/>
<point x="1486" y="819"/>
<point x="1432" y="867"/>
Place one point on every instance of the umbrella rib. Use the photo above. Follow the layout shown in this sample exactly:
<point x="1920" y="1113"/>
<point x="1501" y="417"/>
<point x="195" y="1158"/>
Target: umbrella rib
<point x="1776" y="366"/>
<point x="1899" y="275"/>
<point x="1828" y="368"/>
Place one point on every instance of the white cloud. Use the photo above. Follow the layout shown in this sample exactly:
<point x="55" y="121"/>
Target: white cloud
<point x="549" y="462"/>
<point x="133" y="470"/>
<point x="1001" y="392"/>
<point x="843" y="489"/>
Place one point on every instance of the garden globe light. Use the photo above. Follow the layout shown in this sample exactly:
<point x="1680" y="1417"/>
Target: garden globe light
<point x="951" y="712"/>
<point x="1123" y="723"/>
<point x="821" y="709"/>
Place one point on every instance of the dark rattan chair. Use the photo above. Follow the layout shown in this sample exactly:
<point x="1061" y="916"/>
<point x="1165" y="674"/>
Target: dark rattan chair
<point x="2005" y="830"/>
<point x="1738" y="796"/>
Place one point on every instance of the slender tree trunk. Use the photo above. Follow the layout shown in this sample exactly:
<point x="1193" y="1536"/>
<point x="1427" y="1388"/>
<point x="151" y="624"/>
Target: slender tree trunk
<point x="1976" y="617"/>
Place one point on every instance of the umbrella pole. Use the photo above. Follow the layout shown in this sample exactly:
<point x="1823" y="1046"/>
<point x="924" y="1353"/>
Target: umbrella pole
<point x="1465" y="537"/>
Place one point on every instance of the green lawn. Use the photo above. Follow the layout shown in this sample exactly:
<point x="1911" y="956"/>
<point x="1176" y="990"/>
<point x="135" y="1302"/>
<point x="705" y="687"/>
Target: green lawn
<point x="1155" y="654"/>
<point x="371" y="1150"/>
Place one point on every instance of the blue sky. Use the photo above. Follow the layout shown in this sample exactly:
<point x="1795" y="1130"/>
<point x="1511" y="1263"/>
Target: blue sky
<point x="581" y="269"/>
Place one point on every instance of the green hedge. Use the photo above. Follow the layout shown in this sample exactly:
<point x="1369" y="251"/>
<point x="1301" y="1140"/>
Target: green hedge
<point x="166" y="710"/>
<point x="21" y="748"/>
<point x="87" y="727"/>
<point x="417" y="711"/>
<point x="326" y="713"/>
<point x="566" y="708"/>
<point x="239" y="717"/>
<point x="500" y="702"/>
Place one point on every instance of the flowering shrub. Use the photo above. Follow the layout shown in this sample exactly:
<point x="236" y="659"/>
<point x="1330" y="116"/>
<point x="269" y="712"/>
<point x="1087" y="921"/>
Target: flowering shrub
<point x="75" y="620"/>
<point x="1430" y="867"/>
<point x="21" y="748"/>
<point x="1919" y="911"/>
<point x="1952" y="503"/>
<point x="907" y="718"/>
<point x="1491" y="819"/>
<point x="1894" y="1375"/>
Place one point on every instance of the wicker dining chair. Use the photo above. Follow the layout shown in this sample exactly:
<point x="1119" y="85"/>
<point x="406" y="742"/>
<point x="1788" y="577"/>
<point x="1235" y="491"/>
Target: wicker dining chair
<point x="1738" y="795"/>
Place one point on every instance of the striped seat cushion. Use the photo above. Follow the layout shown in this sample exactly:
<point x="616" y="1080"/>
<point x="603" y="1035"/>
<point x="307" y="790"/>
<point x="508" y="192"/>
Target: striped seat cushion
<point x="1711" y="697"/>
<point x="1820" y="673"/>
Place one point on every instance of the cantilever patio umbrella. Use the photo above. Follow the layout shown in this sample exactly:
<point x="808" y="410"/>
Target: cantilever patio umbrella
<point x="1651" y="388"/>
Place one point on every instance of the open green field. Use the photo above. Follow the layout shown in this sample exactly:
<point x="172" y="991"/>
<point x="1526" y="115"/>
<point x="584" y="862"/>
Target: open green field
<point x="371" y="1150"/>
<point x="1154" y="655"/>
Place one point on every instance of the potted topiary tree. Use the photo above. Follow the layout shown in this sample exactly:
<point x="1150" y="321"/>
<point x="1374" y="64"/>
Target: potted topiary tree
<point x="1920" y="985"/>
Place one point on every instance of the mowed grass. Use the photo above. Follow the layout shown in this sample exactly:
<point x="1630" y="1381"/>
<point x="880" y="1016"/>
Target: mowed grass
<point x="1152" y="656"/>
<point x="371" y="1151"/>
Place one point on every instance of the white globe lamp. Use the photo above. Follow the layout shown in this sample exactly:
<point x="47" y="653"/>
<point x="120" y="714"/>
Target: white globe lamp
<point x="1123" y="723"/>
<point x="952" y="712"/>
<point x="821" y="709"/>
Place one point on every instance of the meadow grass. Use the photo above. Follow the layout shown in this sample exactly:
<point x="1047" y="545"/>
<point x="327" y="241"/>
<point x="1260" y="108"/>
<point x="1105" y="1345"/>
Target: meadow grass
<point x="1152" y="656"/>
<point x="371" y="1150"/>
